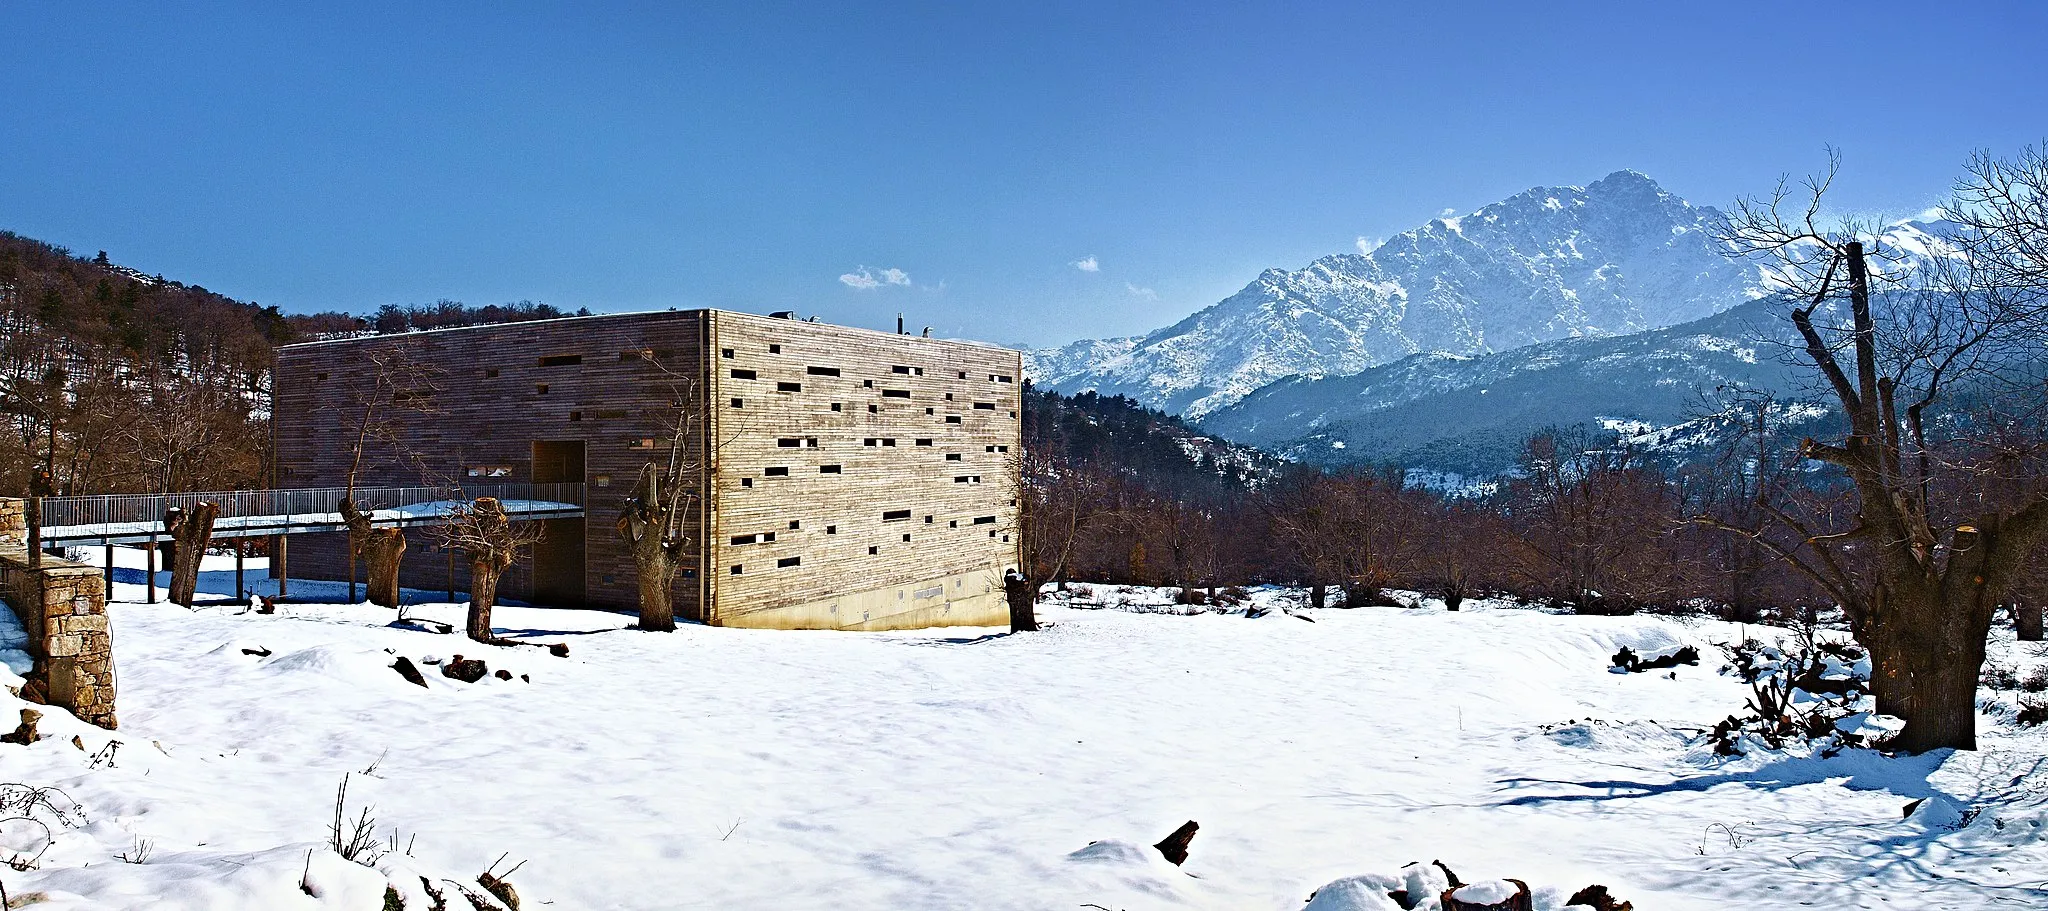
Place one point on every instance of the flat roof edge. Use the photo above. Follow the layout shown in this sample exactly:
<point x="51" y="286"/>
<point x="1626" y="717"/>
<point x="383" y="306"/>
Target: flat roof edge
<point x="639" y="313"/>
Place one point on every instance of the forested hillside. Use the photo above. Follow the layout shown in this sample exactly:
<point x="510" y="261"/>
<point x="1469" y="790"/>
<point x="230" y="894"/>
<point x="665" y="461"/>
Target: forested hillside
<point x="123" y="382"/>
<point x="118" y="381"/>
<point x="1153" y="448"/>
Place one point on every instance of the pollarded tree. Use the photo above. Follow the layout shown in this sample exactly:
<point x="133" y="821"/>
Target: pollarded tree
<point x="1943" y="519"/>
<point x="402" y="382"/>
<point x="491" y="541"/>
<point x="661" y="520"/>
<point x="191" y="530"/>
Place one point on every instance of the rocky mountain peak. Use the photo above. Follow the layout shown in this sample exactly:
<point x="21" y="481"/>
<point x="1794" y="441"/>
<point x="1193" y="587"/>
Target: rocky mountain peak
<point x="1616" y="256"/>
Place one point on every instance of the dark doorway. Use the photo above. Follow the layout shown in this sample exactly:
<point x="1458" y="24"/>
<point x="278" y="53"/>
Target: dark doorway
<point x="558" y="559"/>
<point x="557" y="461"/>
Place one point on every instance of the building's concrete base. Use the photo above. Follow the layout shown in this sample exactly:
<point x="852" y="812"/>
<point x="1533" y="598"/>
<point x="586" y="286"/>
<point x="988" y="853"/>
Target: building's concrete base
<point x="969" y="599"/>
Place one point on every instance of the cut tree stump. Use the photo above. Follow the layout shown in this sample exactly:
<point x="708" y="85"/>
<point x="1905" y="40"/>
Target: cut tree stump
<point x="1519" y="901"/>
<point x="1175" y="847"/>
<point x="467" y="670"/>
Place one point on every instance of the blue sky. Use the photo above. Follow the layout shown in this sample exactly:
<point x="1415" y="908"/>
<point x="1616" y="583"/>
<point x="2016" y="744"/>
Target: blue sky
<point x="958" y="162"/>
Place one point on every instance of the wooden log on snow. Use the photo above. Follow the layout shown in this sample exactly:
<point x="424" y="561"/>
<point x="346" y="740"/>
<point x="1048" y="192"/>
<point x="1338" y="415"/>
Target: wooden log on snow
<point x="1175" y="847"/>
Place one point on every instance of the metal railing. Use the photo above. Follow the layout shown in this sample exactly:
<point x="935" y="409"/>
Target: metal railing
<point x="426" y="505"/>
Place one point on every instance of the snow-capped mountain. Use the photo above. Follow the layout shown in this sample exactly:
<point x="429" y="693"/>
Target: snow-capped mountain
<point x="1618" y="256"/>
<point x="1468" y="416"/>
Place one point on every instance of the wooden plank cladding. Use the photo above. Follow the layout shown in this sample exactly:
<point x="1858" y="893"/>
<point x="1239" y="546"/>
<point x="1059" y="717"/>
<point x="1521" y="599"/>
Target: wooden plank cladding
<point x="868" y="501"/>
<point x="860" y="479"/>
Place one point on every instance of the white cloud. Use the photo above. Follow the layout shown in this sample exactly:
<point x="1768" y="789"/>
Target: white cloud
<point x="1368" y="244"/>
<point x="1447" y="212"/>
<point x="1087" y="264"/>
<point x="1136" y="291"/>
<point x="866" y="279"/>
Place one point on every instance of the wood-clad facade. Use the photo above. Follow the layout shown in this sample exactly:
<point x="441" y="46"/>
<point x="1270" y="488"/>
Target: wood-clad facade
<point x="859" y="479"/>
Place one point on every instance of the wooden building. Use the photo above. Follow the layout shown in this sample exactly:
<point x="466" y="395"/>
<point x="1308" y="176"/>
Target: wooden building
<point x="857" y="480"/>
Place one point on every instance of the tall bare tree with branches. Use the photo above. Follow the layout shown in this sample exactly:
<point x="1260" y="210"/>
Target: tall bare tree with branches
<point x="661" y="520"/>
<point x="402" y="384"/>
<point x="1941" y="525"/>
<point x="1059" y="506"/>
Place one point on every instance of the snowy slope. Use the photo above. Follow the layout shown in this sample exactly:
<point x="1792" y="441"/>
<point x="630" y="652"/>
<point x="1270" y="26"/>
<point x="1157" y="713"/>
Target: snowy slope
<point x="746" y="769"/>
<point x="1617" y="256"/>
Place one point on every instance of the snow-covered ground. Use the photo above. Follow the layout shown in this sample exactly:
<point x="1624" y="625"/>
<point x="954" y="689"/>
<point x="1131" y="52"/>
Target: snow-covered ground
<point x="969" y="769"/>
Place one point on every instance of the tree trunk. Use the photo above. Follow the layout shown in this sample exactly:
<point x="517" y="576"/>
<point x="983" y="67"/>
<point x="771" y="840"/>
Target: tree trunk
<point x="1022" y="595"/>
<point x="191" y="530"/>
<point x="1941" y="709"/>
<point x="657" y="603"/>
<point x="648" y="526"/>
<point x="383" y="548"/>
<point x="1318" y="595"/>
<point x="1924" y="669"/>
<point x="483" y="595"/>
<point x="2026" y="615"/>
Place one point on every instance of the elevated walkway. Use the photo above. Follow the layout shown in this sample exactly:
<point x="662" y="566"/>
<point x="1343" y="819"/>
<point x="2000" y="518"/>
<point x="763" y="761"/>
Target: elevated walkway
<point x="139" y="518"/>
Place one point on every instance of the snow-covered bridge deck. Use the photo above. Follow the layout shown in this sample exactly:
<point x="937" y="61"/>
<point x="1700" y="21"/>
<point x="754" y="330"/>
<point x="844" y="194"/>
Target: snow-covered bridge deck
<point x="139" y="518"/>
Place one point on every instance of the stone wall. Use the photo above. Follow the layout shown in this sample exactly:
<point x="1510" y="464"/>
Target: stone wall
<point x="63" y="608"/>
<point x="13" y="521"/>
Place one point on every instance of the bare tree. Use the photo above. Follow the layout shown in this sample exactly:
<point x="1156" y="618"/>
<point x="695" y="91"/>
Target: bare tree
<point x="34" y="386"/>
<point x="1059" y="506"/>
<point x="1751" y="471"/>
<point x="662" y="519"/>
<point x="1592" y="520"/>
<point x="1459" y="541"/>
<point x="1308" y="523"/>
<point x="491" y="541"/>
<point x="1940" y="526"/>
<point x="196" y="414"/>
<point x="402" y="384"/>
